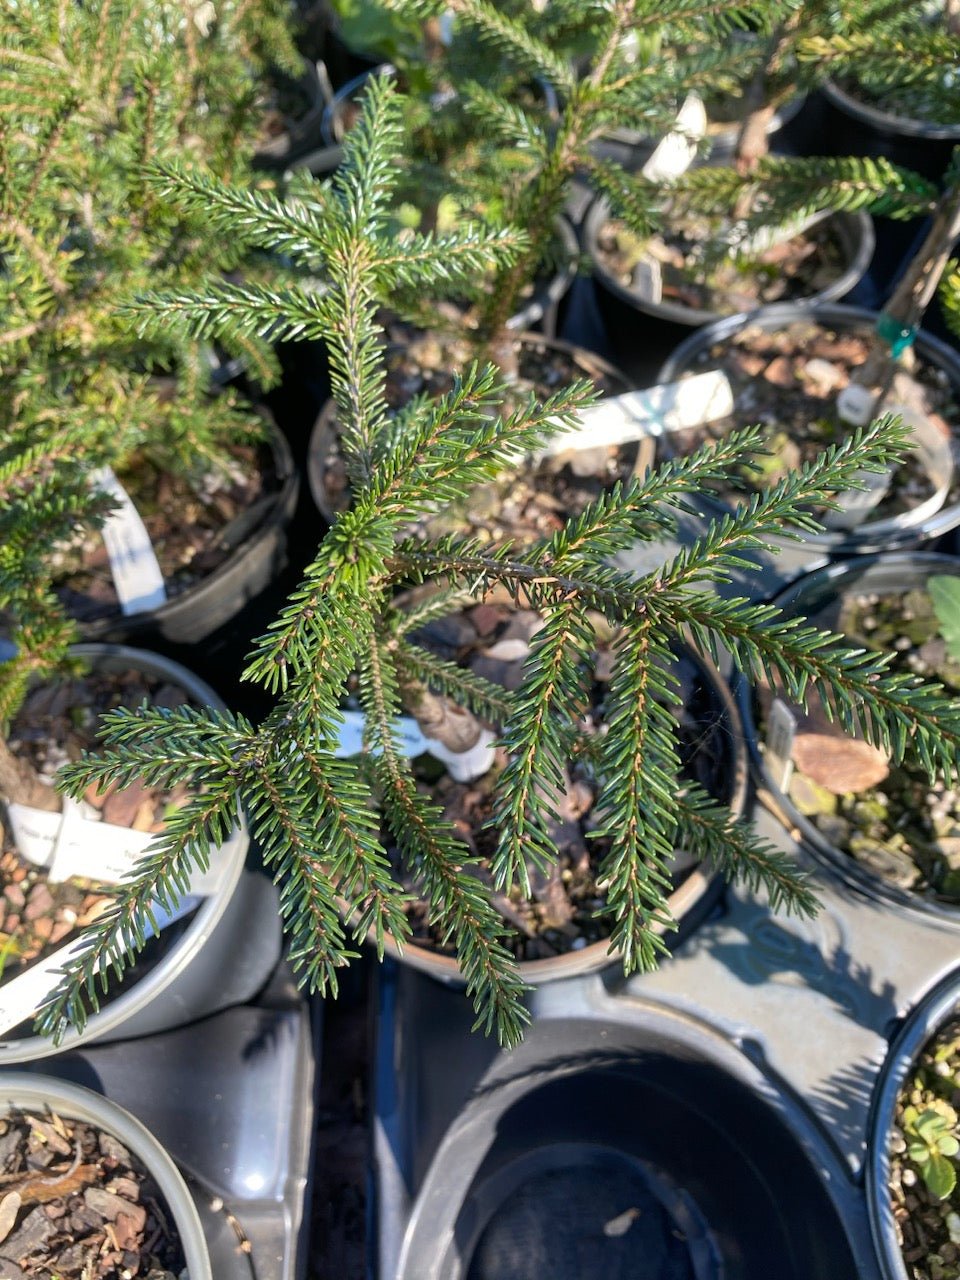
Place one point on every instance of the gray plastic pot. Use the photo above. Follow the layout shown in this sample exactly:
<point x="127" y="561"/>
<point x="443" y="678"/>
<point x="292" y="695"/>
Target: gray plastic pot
<point x="940" y="1006"/>
<point x="222" y="954"/>
<point x="40" y="1094"/>
<point x="687" y="904"/>
<point x="257" y="542"/>
<point x="854" y="231"/>
<point x="872" y="535"/>
<point x="816" y="597"/>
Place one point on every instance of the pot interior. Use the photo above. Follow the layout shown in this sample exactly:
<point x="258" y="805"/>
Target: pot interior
<point x="653" y="1163"/>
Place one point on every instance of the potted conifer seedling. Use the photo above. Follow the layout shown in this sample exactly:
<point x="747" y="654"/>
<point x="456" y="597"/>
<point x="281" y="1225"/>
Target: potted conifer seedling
<point x="61" y="860"/>
<point x="203" y="486"/>
<point x="327" y="776"/>
<point x="525" y="173"/>
<point x="760" y="228"/>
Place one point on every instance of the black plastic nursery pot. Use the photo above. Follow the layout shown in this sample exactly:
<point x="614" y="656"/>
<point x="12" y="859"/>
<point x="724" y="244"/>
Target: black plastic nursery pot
<point x="299" y="127"/>
<point x="43" y="1095"/>
<point x="941" y="1006"/>
<point x="816" y="597"/>
<point x="256" y="546"/>
<point x="220" y="954"/>
<point x="696" y="890"/>
<point x="857" y="128"/>
<point x="633" y="322"/>
<point x="641" y="1148"/>
<point x="910" y="528"/>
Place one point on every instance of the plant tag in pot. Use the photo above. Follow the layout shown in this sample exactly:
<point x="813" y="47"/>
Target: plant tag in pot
<point x="463" y="766"/>
<point x="778" y="748"/>
<point x="856" y="504"/>
<point x="77" y="843"/>
<point x="669" y="406"/>
<point x="675" y="153"/>
<point x="648" y="280"/>
<point x="133" y="562"/>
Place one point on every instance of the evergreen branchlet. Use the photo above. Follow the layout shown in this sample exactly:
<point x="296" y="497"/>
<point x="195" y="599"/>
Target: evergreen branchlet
<point x="89" y="95"/>
<point x="318" y="816"/>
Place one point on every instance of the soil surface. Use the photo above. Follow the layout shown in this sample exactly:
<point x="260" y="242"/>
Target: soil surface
<point x="788" y="381"/>
<point x="76" y="1205"/>
<point x="194" y="528"/>
<point x="56" y="723"/>
<point x="928" y="1227"/>
<point x="717" y="282"/>
<point x="889" y="818"/>
<point x="567" y="910"/>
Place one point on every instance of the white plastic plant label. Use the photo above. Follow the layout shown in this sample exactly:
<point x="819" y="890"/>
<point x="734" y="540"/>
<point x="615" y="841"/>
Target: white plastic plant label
<point x="24" y="995"/>
<point x="778" y="748"/>
<point x="669" y="406"/>
<point x="648" y="280"/>
<point x="77" y="843"/>
<point x="463" y="766"/>
<point x="133" y="561"/>
<point x="675" y="153"/>
<point x="855" y="404"/>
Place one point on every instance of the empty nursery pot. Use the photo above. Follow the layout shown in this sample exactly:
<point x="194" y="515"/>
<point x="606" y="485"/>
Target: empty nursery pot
<point x="937" y="509"/>
<point x="887" y="1140"/>
<point x="642" y="1150"/>
<point x="883" y="847"/>
<point x="218" y="954"/>
<point x="42" y="1096"/>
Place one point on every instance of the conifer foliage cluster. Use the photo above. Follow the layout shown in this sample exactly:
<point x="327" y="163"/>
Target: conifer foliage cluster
<point x="90" y="95"/>
<point x="333" y="829"/>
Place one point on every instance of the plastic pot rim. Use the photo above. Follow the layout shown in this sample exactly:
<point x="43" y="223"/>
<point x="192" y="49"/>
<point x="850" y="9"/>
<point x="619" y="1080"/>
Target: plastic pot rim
<point x="31" y="1092"/>
<point x="192" y="599"/>
<point x="597" y="956"/>
<point x="873" y="536"/>
<point x="886" y="121"/>
<point x="855" y="230"/>
<point x="922" y="1023"/>
<point x="114" y="1012"/>
<point x="843" y="864"/>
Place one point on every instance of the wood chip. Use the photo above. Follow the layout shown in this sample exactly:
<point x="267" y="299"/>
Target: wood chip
<point x="9" y="1208"/>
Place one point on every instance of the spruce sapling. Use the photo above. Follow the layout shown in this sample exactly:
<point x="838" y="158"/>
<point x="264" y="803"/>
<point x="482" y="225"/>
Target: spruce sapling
<point x="315" y="814"/>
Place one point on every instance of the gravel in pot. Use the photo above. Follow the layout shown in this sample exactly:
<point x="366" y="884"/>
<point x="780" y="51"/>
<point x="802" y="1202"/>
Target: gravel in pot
<point x="913" y="1196"/>
<point x="179" y="976"/>
<point x="526" y="503"/>
<point x="669" y="275"/>
<point x="219" y="537"/>
<point x="884" y="826"/>
<point x="563" y="926"/>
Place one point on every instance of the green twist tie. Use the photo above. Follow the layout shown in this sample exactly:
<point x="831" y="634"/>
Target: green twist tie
<point x="897" y="336"/>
